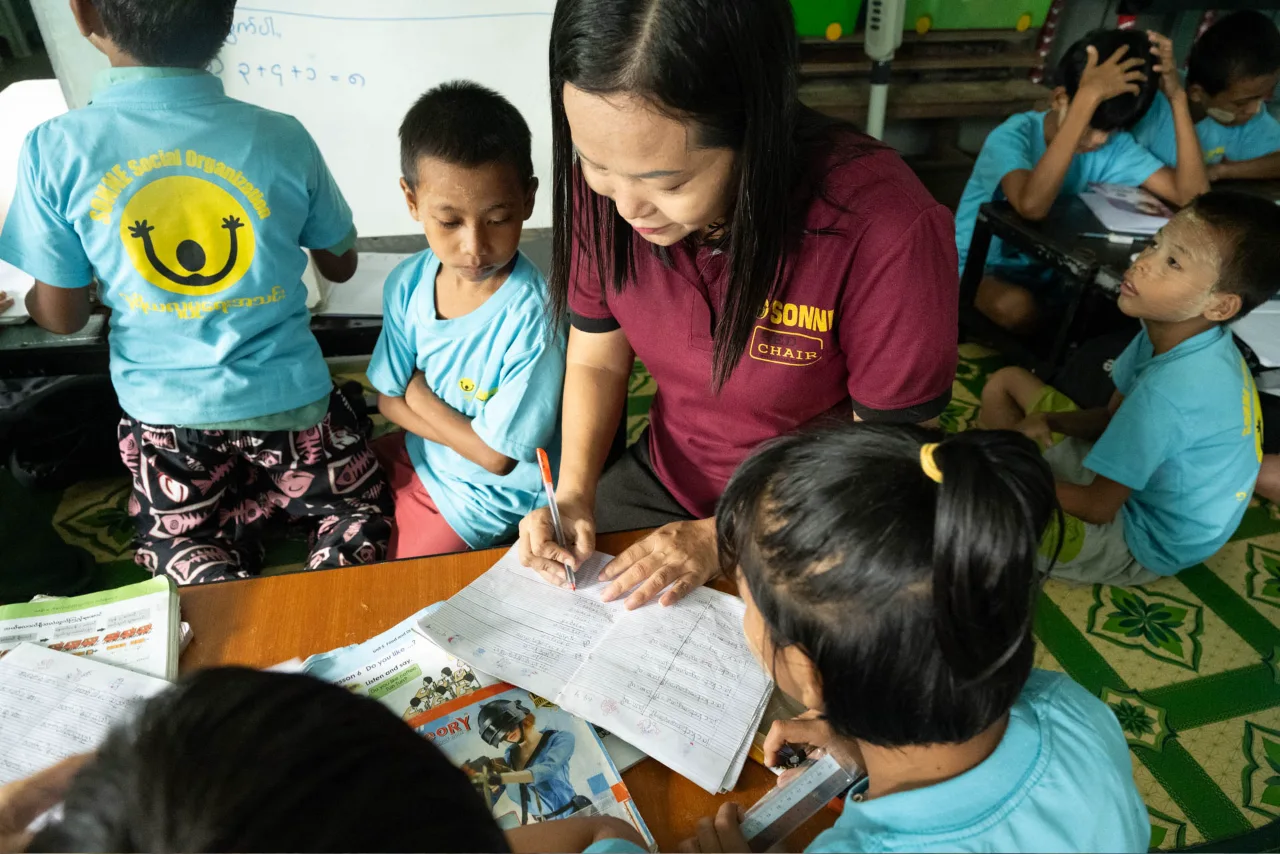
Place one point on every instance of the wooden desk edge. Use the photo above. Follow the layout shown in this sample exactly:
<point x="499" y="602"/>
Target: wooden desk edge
<point x="263" y="621"/>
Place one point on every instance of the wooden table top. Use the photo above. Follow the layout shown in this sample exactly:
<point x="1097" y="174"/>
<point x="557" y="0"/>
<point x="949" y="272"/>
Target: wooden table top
<point x="262" y="621"/>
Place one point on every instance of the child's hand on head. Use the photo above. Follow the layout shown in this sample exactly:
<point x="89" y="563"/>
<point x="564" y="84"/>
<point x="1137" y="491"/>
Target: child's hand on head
<point x="1120" y="74"/>
<point x="1166" y="67"/>
<point x="720" y="834"/>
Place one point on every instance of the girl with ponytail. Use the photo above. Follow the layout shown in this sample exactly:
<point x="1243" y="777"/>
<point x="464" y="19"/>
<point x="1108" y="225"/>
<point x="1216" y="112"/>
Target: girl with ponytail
<point x="890" y="579"/>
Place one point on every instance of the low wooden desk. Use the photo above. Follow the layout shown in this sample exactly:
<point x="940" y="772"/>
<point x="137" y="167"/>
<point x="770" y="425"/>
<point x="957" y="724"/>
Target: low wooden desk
<point x="263" y="621"/>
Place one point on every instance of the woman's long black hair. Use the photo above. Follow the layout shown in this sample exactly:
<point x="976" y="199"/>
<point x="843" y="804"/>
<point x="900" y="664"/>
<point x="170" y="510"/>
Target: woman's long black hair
<point x="914" y="599"/>
<point x="727" y="66"/>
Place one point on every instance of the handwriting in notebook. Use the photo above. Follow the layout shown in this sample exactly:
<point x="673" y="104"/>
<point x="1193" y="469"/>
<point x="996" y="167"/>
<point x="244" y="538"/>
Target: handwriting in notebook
<point x="678" y="682"/>
<point x="54" y="705"/>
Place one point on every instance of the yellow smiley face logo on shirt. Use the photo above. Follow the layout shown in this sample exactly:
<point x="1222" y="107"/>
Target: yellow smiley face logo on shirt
<point x="187" y="236"/>
<point x="467" y="385"/>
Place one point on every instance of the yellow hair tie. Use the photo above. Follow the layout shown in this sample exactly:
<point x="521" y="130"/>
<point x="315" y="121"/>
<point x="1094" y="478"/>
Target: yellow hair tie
<point x="928" y="463"/>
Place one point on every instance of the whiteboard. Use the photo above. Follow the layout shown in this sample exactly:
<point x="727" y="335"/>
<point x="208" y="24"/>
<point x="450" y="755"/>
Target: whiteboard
<point x="350" y="71"/>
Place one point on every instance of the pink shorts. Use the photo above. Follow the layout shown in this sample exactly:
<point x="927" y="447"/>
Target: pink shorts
<point x="419" y="528"/>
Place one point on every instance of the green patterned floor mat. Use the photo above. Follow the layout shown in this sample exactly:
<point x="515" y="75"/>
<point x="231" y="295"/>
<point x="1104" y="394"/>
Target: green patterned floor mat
<point x="1190" y="665"/>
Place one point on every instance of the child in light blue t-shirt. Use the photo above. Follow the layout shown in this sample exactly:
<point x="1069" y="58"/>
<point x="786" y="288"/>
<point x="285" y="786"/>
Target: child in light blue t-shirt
<point x="1231" y="74"/>
<point x="193" y="211"/>
<point x="1106" y="83"/>
<point x="889" y="574"/>
<point x="467" y="363"/>
<point x="1158" y="480"/>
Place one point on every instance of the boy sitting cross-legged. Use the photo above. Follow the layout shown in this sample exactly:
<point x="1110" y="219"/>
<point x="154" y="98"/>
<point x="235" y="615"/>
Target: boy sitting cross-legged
<point x="1159" y="479"/>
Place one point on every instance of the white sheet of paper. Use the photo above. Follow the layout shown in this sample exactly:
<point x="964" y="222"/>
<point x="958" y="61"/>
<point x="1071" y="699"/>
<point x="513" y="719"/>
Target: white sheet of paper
<point x="54" y="705"/>
<point x="1260" y="329"/>
<point x="678" y="682"/>
<point x="361" y="296"/>
<point x="15" y="284"/>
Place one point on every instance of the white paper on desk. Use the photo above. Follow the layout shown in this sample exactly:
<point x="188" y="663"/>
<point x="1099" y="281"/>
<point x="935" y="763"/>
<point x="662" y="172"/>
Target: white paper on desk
<point x="54" y="705"/>
<point x="1126" y="210"/>
<point x="1260" y="329"/>
<point x="360" y="296"/>
<point x="15" y="285"/>
<point x="678" y="682"/>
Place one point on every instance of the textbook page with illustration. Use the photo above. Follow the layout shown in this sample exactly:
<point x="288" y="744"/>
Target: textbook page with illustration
<point x="399" y="668"/>
<point x="136" y="626"/>
<point x="1126" y="210"/>
<point x="410" y="675"/>
<point x="485" y="733"/>
<point x="54" y="705"/>
<point x="677" y="682"/>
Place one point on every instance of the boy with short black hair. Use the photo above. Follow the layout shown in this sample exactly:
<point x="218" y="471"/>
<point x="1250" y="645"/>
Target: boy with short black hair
<point x="1159" y="479"/>
<point x="1106" y="82"/>
<point x="466" y="362"/>
<point x="1231" y="73"/>
<point x="232" y="759"/>
<point x="193" y="211"/>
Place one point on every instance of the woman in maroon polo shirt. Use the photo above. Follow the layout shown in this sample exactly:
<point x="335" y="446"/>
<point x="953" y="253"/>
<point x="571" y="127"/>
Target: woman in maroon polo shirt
<point x="768" y="265"/>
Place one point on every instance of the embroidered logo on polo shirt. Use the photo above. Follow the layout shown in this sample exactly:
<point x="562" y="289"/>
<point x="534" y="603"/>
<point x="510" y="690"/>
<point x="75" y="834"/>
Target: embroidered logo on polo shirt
<point x="804" y="316"/>
<point x="785" y="348"/>
<point x="782" y="347"/>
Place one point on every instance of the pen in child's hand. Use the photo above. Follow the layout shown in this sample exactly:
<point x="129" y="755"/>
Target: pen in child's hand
<point x="544" y="465"/>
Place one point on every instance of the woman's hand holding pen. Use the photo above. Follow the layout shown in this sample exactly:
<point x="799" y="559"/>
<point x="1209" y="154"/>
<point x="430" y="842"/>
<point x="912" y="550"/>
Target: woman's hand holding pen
<point x="538" y="547"/>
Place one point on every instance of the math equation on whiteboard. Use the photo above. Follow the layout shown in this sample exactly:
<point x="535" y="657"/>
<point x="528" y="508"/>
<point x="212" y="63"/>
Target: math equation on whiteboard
<point x="281" y="74"/>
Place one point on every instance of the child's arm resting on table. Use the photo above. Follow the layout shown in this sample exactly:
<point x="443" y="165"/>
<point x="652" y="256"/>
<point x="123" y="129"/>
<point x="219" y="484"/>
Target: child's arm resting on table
<point x="420" y="411"/>
<point x="1033" y="192"/>
<point x="60" y="310"/>
<point x="571" y="834"/>
<point x="1257" y="169"/>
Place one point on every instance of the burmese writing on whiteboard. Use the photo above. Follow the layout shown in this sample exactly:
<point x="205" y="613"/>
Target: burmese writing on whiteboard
<point x="249" y="27"/>
<point x="280" y="73"/>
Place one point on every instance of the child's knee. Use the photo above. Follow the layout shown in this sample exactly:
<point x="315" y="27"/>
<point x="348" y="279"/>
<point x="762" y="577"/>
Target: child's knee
<point x="1008" y="306"/>
<point x="1269" y="478"/>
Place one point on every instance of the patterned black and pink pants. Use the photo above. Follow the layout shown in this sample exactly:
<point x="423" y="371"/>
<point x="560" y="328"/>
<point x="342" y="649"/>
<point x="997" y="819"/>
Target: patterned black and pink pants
<point x="202" y="499"/>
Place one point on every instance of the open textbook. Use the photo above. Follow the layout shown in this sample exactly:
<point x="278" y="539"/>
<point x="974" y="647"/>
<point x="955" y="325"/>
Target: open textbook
<point x="136" y="626"/>
<point x="410" y="675"/>
<point x="54" y="705"/>
<point x="496" y="732"/>
<point x="445" y="700"/>
<point x="1126" y="210"/>
<point x="677" y="682"/>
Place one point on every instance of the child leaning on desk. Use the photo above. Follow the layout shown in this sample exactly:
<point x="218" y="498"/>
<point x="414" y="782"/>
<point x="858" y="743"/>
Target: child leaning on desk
<point x="467" y="362"/>
<point x="890" y="577"/>
<point x="1106" y="82"/>
<point x="192" y="210"/>
<point x="1231" y="74"/>
<point x="1158" y="480"/>
<point x="231" y="759"/>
